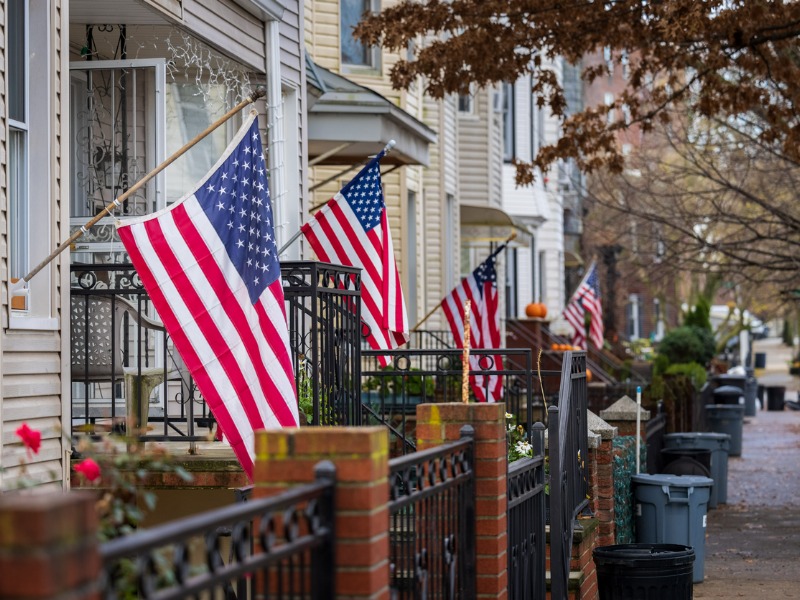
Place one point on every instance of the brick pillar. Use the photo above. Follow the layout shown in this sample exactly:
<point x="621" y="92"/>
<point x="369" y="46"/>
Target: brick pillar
<point x="48" y="547"/>
<point x="441" y="423"/>
<point x="601" y="478"/>
<point x="287" y="457"/>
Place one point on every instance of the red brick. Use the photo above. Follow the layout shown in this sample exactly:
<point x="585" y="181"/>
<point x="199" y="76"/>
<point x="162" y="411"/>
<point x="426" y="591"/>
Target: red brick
<point x="362" y="496"/>
<point x="491" y="525"/>
<point x="338" y="441"/>
<point x="354" y="553"/>
<point x="492" y="449"/>
<point x="362" y="582"/>
<point x="360" y="524"/>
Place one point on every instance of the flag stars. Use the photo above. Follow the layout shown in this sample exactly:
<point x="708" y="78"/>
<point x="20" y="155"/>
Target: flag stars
<point x="239" y="244"/>
<point x="220" y="205"/>
<point x="210" y="187"/>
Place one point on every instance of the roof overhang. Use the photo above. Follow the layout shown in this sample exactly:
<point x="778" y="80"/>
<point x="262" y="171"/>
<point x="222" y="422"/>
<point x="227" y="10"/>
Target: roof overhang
<point x="489" y="224"/>
<point x="349" y="122"/>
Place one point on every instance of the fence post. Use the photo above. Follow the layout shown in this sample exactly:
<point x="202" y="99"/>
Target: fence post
<point x="442" y="423"/>
<point x="286" y="457"/>
<point x="559" y="556"/>
<point x="48" y="546"/>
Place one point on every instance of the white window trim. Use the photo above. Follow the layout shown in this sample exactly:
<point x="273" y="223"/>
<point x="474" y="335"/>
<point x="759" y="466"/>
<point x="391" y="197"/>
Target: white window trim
<point x="38" y="315"/>
<point x="376" y="56"/>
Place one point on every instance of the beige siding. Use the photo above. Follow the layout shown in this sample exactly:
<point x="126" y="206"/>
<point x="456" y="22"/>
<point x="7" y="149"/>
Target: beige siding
<point x="31" y="387"/>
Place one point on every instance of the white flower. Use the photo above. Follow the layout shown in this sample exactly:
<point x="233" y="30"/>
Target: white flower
<point x="509" y="416"/>
<point x="524" y="448"/>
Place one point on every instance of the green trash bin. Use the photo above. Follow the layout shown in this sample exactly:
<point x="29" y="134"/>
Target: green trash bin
<point x="672" y="509"/>
<point x="727" y="418"/>
<point x="644" y="571"/>
<point x="716" y="443"/>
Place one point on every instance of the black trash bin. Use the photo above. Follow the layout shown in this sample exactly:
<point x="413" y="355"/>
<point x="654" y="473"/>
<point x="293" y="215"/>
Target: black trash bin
<point x="726" y="379"/>
<point x="775" y="397"/>
<point x="760" y="360"/>
<point x="729" y="394"/>
<point x="644" y="571"/>
<point x="762" y="392"/>
<point x="686" y="461"/>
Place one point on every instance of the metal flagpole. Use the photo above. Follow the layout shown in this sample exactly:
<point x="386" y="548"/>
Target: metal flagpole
<point x="255" y="95"/>
<point x="435" y="308"/>
<point x="386" y="149"/>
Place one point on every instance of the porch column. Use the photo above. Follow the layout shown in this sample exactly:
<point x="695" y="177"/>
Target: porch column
<point x="441" y="423"/>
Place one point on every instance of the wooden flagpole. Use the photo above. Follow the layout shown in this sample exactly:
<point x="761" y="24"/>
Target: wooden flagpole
<point x="465" y="356"/>
<point x="255" y="95"/>
<point x="435" y="308"/>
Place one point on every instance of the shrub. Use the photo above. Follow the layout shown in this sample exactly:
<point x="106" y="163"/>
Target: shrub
<point x="695" y="371"/>
<point x="688" y="344"/>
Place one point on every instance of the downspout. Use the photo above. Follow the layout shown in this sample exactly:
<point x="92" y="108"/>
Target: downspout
<point x="275" y="130"/>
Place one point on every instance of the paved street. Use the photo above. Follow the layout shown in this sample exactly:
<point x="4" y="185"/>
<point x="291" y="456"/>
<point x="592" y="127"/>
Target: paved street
<point x="753" y="542"/>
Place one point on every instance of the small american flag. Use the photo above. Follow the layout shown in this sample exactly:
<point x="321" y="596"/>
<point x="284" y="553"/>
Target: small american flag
<point x="481" y="289"/>
<point x="210" y="265"/>
<point x="586" y="301"/>
<point x="352" y="229"/>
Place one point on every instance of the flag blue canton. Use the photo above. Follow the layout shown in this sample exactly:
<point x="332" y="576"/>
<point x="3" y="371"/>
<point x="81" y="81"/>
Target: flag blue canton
<point x="485" y="272"/>
<point x="593" y="282"/>
<point x="365" y="196"/>
<point x="235" y="197"/>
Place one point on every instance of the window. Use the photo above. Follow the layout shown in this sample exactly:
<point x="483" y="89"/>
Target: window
<point x="29" y="94"/>
<point x="466" y="102"/>
<point x="633" y="314"/>
<point x="411" y="218"/>
<point x="511" y="283"/>
<point x="353" y="52"/>
<point x="509" y="141"/>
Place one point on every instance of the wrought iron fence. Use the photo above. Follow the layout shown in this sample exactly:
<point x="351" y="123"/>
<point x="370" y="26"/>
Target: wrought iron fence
<point x="124" y="365"/>
<point x="526" y="523"/>
<point x="390" y="394"/>
<point x="568" y="448"/>
<point x="432" y="522"/>
<point x="323" y="312"/>
<point x="279" y="547"/>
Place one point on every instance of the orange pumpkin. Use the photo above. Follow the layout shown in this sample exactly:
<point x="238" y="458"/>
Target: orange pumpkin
<point x="554" y="347"/>
<point x="536" y="310"/>
<point x="588" y="375"/>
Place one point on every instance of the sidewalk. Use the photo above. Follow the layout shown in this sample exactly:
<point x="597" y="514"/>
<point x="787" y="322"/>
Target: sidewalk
<point x="753" y="542"/>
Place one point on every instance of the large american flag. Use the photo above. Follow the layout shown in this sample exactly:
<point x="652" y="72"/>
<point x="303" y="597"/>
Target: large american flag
<point x="586" y="301"/>
<point x="480" y="287"/>
<point x="209" y="263"/>
<point x="352" y="229"/>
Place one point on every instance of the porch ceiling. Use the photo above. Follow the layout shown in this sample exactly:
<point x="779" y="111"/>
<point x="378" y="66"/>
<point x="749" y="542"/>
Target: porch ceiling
<point x="483" y="223"/>
<point x="349" y="122"/>
<point x="130" y="12"/>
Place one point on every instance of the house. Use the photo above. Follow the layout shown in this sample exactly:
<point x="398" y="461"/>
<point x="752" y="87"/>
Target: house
<point x="98" y="93"/>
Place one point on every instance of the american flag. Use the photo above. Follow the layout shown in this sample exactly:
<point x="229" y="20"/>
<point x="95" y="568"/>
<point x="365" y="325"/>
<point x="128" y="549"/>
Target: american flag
<point x="352" y="229"/>
<point x="481" y="289"/>
<point x="209" y="263"/>
<point x="586" y="301"/>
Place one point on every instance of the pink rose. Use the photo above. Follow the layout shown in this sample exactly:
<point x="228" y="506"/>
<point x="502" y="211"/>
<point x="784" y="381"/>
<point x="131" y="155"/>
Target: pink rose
<point x="89" y="469"/>
<point x="31" y="438"/>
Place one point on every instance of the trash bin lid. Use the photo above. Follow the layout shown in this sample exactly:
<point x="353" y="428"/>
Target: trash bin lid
<point x="697" y="435"/>
<point x="732" y="390"/>
<point x="707" y="440"/>
<point x="661" y="479"/>
<point x="644" y="555"/>
<point x="737" y="408"/>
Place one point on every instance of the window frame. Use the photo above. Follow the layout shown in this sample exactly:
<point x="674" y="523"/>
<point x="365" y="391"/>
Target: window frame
<point x="509" y="122"/>
<point x="29" y="244"/>
<point x="373" y="53"/>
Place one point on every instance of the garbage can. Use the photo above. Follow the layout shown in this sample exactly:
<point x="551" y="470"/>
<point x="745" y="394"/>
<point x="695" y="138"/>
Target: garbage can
<point x="761" y="393"/>
<point x="726" y="379"/>
<point x="760" y="361"/>
<point x="775" y="397"/>
<point x="718" y="444"/>
<point x="644" y="571"/>
<point x="686" y="461"/>
<point x="727" y="418"/>
<point x="729" y="394"/>
<point x="672" y="509"/>
<point x="750" y="394"/>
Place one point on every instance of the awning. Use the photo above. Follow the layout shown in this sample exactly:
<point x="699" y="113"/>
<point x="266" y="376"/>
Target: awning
<point x="348" y="122"/>
<point x="572" y="260"/>
<point x="489" y="224"/>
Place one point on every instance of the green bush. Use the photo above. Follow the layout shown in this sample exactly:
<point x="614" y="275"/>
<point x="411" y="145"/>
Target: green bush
<point x="688" y="344"/>
<point x="700" y="315"/>
<point x="695" y="371"/>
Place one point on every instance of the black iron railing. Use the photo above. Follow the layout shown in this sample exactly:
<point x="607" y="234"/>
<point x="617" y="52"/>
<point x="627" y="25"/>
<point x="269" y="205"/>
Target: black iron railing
<point x="526" y="523"/>
<point x="432" y="522"/>
<point x="568" y="449"/>
<point x="279" y="547"/>
<point x="391" y="394"/>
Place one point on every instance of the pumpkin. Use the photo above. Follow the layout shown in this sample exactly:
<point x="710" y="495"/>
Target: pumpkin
<point x="536" y="310"/>
<point x="588" y="375"/>
<point x="554" y="347"/>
